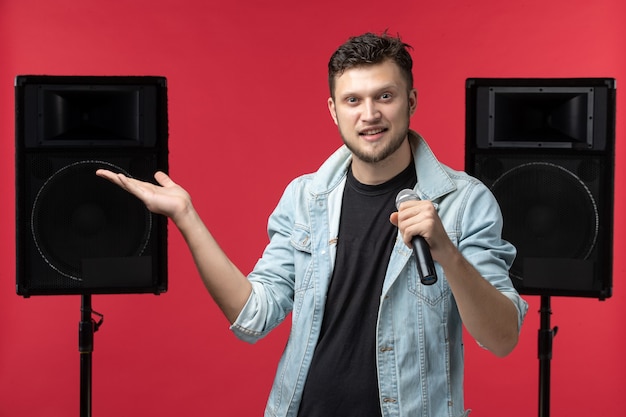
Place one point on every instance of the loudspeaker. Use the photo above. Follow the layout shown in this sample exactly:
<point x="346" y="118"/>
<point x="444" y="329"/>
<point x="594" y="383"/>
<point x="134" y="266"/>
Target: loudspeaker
<point x="546" y="149"/>
<point x="77" y="233"/>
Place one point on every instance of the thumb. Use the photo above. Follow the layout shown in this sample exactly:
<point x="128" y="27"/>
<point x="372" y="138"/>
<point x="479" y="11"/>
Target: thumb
<point x="393" y="218"/>
<point x="163" y="179"/>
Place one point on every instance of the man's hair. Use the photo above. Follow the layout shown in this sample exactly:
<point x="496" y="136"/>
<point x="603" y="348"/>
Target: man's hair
<point x="370" y="49"/>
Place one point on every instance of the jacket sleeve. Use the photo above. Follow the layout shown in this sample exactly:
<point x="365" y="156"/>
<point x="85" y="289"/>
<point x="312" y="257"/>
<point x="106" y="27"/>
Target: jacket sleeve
<point x="482" y="244"/>
<point x="273" y="276"/>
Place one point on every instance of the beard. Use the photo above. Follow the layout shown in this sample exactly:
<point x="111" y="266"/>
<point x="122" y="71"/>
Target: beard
<point x="377" y="153"/>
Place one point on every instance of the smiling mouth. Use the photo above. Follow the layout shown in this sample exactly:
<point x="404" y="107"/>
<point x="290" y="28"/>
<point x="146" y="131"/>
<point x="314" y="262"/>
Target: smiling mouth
<point x="372" y="132"/>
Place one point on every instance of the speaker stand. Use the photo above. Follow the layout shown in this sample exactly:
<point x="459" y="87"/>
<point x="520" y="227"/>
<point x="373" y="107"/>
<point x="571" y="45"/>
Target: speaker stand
<point x="546" y="336"/>
<point x="86" y="329"/>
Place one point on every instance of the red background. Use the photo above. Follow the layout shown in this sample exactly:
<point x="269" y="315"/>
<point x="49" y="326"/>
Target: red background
<point x="247" y="99"/>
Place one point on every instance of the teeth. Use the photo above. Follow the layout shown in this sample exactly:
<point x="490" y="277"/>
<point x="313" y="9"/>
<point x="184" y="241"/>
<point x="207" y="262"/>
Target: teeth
<point x="372" y="132"/>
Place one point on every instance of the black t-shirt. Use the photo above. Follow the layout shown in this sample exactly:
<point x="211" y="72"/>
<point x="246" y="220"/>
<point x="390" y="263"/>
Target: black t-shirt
<point x="342" y="380"/>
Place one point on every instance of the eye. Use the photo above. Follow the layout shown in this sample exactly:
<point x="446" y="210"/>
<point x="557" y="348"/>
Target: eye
<point x="351" y="100"/>
<point x="386" y="96"/>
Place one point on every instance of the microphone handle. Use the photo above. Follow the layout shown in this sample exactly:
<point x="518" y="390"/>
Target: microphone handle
<point x="425" y="264"/>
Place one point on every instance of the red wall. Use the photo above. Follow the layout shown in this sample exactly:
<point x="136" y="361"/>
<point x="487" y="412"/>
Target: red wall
<point x="247" y="94"/>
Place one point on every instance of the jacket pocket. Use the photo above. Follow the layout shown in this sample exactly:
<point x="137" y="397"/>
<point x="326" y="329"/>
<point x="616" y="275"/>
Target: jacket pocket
<point x="431" y="294"/>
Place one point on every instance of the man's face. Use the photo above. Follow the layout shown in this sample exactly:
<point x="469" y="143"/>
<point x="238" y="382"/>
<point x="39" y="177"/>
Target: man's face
<point x="372" y="108"/>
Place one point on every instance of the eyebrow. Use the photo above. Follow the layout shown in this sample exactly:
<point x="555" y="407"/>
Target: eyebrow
<point x="386" y="87"/>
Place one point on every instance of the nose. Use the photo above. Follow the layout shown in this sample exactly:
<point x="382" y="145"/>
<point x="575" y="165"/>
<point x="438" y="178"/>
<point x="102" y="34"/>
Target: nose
<point x="370" y="111"/>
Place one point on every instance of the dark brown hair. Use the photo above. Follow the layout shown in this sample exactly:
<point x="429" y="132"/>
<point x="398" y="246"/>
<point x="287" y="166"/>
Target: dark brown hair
<point x="370" y="49"/>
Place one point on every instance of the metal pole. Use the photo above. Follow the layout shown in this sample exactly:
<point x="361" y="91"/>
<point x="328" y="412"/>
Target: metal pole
<point x="546" y="336"/>
<point x="86" y="330"/>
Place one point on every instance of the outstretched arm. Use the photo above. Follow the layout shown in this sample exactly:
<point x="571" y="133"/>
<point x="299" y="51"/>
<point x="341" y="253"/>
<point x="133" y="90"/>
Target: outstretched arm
<point x="227" y="285"/>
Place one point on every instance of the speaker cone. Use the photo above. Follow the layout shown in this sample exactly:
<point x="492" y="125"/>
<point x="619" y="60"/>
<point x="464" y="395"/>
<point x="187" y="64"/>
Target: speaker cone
<point x="549" y="213"/>
<point x="77" y="215"/>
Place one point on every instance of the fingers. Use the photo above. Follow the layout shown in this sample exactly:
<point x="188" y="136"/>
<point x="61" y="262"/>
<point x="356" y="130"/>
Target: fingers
<point x="416" y="218"/>
<point x="104" y="173"/>
<point x="111" y="176"/>
<point x="131" y="185"/>
<point x="163" y="179"/>
<point x="126" y="182"/>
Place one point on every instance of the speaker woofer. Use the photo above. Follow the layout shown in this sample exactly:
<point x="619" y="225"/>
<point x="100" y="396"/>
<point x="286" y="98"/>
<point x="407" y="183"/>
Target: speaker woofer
<point x="555" y="213"/>
<point x="77" y="216"/>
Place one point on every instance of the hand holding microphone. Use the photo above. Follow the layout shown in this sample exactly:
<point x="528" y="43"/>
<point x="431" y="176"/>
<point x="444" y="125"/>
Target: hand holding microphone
<point x="425" y="264"/>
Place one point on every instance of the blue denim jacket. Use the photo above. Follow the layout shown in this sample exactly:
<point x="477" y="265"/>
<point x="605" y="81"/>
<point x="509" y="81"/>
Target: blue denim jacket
<point x="419" y="330"/>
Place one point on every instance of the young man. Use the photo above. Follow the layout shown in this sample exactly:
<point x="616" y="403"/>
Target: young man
<point x="367" y="337"/>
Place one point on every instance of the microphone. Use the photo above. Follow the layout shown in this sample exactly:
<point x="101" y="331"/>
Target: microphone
<point x="425" y="264"/>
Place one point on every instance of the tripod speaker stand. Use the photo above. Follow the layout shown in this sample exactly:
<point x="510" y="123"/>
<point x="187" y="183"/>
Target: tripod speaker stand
<point x="545" y="148"/>
<point x="77" y="234"/>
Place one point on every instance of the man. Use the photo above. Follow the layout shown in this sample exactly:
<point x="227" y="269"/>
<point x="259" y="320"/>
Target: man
<point x="367" y="337"/>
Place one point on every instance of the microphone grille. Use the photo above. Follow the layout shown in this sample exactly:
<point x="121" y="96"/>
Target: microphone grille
<point x="405" y="195"/>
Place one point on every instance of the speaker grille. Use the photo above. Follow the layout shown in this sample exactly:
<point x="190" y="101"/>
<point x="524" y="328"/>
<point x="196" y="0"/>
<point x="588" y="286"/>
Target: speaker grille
<point x="550" y="212"/>
<point x="77" y="216"/>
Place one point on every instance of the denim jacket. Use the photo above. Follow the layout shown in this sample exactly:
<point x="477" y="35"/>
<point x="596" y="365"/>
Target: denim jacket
<point x="419" y="330"/>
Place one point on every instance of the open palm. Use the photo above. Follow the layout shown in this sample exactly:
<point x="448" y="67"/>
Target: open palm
<point x="167" y="198"/>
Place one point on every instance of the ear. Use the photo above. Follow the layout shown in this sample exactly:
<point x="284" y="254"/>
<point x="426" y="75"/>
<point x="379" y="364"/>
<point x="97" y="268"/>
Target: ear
<point x="332" y="109"/>
<point x="412" y="101"/>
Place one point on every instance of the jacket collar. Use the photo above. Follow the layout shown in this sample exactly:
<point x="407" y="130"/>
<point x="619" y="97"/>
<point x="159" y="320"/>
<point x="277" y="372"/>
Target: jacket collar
<point x="433" y="180"/>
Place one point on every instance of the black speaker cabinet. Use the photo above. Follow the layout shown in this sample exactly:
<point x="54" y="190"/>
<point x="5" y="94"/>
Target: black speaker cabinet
<point x="77" y="233"/>
<point x="545" y="148"/>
